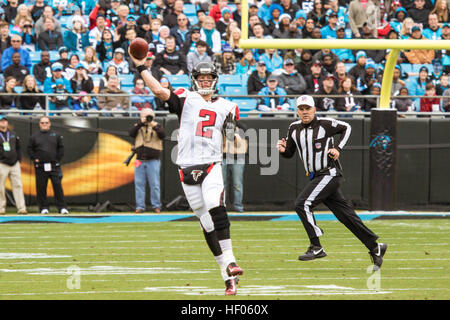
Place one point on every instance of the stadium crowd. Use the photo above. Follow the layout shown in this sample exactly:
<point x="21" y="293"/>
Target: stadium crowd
<point x="80" y="47"/>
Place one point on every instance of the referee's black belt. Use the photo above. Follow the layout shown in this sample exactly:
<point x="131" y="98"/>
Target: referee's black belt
<point x="311" y="175"/>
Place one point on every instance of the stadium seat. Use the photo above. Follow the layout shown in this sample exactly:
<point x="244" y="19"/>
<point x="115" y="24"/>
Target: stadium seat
<point x="65" y="21"/>
<point x="54" y="55"/>
<point x="232" y="6"/>
<point x="228" y="80"/>
<point x="127" y="79"/>
<point x="35" y="56"/>
<point x="128" y="87"/>
<point x="292" y="103"/>
<point x="235" y="91"/>
<point x="416" y="67"/>
<point x="192" y="19"/>
<point x="244" y="79"/>
<point x="182" y="85"/>
<point x="245" y="104"/>
<point x="406" y="68"/>
<point x="96" y="79"/>
<point x="179" y="80"/>
<point x="189" y="9"/>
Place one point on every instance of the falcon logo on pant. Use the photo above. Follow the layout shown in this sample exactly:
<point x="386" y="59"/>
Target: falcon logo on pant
<point x="196" y="174"/>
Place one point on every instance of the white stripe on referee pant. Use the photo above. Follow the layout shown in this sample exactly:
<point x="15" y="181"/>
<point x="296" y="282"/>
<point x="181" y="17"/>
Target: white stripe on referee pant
<point x="309" y="215"/>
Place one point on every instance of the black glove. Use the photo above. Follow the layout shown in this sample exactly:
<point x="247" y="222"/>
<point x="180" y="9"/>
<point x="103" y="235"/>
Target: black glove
<point x="230" y="127"/>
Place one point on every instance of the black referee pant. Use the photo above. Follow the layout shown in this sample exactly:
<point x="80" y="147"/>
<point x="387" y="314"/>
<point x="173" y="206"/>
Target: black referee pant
<point x="326" y="189"/>
<point x="41" y="187"/>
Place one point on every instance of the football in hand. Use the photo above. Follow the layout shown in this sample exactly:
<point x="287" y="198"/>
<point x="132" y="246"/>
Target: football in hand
<point x="139" y="48"/>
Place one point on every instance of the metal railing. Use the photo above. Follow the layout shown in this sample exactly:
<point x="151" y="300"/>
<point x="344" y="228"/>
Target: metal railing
<point x="130" y="110"/>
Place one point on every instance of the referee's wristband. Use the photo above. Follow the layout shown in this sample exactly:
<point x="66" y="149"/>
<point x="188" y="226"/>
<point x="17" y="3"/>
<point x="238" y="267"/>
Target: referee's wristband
<point x="141" y="68"/>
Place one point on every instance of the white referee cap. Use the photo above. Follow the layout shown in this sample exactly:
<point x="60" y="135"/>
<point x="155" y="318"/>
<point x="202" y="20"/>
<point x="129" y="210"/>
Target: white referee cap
<point x="305" y="100"/>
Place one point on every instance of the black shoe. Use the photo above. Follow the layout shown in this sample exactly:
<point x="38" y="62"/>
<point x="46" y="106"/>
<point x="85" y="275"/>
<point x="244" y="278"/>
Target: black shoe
<point x="312" y="253"/>
<point x="377" y="255"/>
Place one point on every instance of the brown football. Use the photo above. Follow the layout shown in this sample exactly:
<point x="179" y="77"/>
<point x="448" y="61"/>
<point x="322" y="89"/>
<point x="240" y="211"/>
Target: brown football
<point x="139" y="48"/>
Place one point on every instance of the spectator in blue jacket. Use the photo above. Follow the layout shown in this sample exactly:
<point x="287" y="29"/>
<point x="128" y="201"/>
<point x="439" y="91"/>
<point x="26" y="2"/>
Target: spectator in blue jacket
<point x="329" y="31"/>
<point x="272" y="60"/>
<point x="275" y="13"/>
<point x="433" y="32"/>
<point x="416" y="86"/>
<point x="300" y="19"/>
<point x="345" y="55"/>
<point x="264" y="11"/>
<point x="276" y="103"/>
<point x="397" y="21"/>
<point x="16" y="46"/>
<point x="340" y="12"/>
<point x="50" y="83"/>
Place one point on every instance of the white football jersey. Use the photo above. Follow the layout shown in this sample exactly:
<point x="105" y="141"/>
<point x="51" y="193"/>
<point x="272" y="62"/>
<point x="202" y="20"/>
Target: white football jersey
<point x="201" y="125"/>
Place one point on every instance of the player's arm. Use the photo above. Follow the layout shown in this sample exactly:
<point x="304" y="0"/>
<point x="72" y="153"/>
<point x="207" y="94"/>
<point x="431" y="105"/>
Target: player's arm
<point x="153" y="84"/>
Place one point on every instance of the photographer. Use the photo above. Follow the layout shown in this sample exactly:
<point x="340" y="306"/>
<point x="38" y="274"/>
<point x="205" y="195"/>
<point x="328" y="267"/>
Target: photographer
<point x="148" y="135"/>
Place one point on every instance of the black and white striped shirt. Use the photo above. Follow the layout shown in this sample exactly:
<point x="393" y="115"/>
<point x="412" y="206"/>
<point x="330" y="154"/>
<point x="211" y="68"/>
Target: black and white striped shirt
<point x="313" y="141"/>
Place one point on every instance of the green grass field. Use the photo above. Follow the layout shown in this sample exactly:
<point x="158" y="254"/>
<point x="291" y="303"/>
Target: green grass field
<point x="170" y="260"/>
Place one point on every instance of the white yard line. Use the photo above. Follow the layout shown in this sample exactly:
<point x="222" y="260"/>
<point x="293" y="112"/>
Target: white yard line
<point x="243" y="291"/>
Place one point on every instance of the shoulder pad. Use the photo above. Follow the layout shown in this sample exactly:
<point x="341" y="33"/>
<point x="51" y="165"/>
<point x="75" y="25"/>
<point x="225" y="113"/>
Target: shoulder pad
<point x="181" y="92"/>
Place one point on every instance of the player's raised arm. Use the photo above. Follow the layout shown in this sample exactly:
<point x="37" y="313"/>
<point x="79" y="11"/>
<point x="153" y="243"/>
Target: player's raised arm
<point x="153" y="84"/>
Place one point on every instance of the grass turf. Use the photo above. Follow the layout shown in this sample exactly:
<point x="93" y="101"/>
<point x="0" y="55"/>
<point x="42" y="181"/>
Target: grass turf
<point x="170" y="260"/>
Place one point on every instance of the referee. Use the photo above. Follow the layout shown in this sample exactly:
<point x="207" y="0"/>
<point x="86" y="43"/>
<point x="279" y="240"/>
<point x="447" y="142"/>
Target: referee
<point x="313" y="137"/>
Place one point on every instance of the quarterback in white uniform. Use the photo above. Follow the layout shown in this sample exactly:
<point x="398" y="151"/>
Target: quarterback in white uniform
<point x="202" y="121"/>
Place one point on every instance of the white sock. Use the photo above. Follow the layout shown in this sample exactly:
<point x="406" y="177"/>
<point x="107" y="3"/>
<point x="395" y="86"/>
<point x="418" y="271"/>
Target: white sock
<point x="225" y="245"/>
<point x="223" y="261"/>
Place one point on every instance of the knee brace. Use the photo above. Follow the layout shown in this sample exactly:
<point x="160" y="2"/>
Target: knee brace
<point x="220" y="218"/>
<point x="206" y="223"/>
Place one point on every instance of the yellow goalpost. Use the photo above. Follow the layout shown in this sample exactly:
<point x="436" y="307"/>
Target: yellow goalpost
<point x="374" y="44"/>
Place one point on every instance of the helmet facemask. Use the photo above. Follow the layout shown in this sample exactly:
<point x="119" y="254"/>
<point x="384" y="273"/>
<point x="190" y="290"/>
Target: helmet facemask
<point x="204" y="69"/>
<point x="205" y="91"/>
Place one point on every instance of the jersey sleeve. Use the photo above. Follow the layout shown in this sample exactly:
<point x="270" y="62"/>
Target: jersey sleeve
<point x="342" y="128"/>
<point x="176" y="101"/>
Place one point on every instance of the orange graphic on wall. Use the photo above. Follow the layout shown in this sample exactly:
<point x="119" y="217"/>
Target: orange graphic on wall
<point x="100" y="170"/>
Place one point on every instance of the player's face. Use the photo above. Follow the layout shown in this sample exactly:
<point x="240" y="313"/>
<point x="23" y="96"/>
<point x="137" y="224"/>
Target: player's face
<point x="205" y="81"/>
<point x="306" y="113"/>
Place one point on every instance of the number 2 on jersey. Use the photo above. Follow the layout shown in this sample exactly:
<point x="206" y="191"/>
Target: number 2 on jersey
<point x="202" y="127"/>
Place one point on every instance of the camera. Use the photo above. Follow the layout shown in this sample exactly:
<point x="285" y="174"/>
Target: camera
<point x="149" y="118"/>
